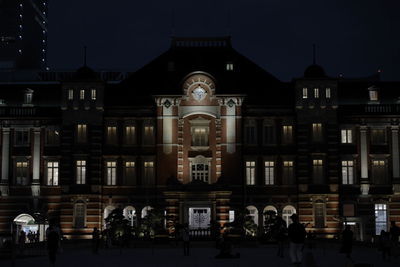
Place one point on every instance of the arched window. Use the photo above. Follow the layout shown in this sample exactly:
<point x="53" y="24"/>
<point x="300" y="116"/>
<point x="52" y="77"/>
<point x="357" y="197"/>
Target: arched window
<point x="200" y="168"/>
<point x="130" y="214"/>
<point x="79" y="214"/>
<point x="269" y="211"/>
<point x="145" y="211"/>
<point x="107" y="211"/>
<point x="287" y="212"/>
<point x="253" y="213"/>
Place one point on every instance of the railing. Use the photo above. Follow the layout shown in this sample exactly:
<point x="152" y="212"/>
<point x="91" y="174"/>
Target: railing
<point x="200" y="233"/>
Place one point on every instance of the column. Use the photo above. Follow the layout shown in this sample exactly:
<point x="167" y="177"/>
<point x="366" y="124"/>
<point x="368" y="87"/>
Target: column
<point x="167" y="126"/>
<point x="231" y="126"/>
<point x="395" y="159"/>
<point x="5" y="162"/>
<point x="36" y="163"/>
<point x="364" y="160"/>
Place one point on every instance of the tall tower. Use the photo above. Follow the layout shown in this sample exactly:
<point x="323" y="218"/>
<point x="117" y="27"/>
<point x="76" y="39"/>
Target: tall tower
<point x="23" y="34"/>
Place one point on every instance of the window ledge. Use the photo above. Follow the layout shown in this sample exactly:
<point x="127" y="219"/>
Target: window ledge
<point x="200" y="148"/>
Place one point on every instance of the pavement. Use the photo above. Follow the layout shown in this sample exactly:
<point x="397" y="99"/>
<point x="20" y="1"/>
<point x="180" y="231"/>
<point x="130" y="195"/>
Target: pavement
<point x="168" y="255"/>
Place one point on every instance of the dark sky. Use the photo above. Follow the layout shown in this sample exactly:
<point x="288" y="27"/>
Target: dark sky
<point x="353" y="37"/>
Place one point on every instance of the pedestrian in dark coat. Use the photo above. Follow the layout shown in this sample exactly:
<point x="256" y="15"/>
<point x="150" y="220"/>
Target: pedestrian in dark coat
<point x="53" y="240"/>
<point x="95" y="240"/>
<point x="297" y="234"/>
<point x="347" y="241"/>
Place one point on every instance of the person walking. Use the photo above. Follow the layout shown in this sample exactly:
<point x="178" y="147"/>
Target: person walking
<point x="347" y="242"/>
<point x="280" y="235"/>
<point x="297" y="234"/>
<point x="95" y="240"/>
<point x="53" y="241"/>
<point x="21" y="242"/>
<point x="385" y="245"/>
<point x="394" y="233"/>
<point x="186" y="240"/>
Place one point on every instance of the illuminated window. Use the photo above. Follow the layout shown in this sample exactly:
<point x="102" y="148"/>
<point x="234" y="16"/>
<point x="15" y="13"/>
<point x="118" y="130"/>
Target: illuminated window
<point x="231" y="216"/>
<point x="346" y="136"/>
<point x="379" y="172"/>
<point x="130" y="135"/>
<point x="130" y="215"/>
<point x="111" y="172"/>
<point x="112" y="135"/>
<point x="148" y="173"/>
<point x="199" y="136"/>
<point x="200" y="172"/>
<point x="318" y="176"/>
<point x="381" y="218"/>
<point x="81" y="133"/>
<point x="373" y="95"/>
<point x="52" y="173"/>
<point x="347" y="172"/>
<point x="81" y="94"/>
<point x="253" y="214"/>
<point x="288" y="172"/>
<point x="317" y="132"/>
<point x="229" y="66"/>
<point x="287" y="134"/>
<point x="287" y="213"/>
<point x="250" y="172"/>
<point x="130" y="173"/>
<point x="316" y="92"/>
<point x="28" y="96"/>
<point x="21" y="172"/>
<point x="328" y="92"/>
<point x="269" y="172"/>
<point x="305" y="93"/>
<point x="81" y="172"/>
<point x="93" y="94"/>
<point x="148" y="134"/>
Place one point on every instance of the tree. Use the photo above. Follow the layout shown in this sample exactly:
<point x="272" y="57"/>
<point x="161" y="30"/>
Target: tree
<point x="117" y="225"/>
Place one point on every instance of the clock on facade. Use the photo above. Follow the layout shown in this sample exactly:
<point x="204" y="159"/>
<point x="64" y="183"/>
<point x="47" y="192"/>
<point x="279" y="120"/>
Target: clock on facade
<point x="199" y="86"/>
<point x="199" y="93"/>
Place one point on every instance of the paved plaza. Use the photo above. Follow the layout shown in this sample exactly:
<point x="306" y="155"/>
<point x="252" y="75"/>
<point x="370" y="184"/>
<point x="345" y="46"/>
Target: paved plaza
<point x="326" y="255"/>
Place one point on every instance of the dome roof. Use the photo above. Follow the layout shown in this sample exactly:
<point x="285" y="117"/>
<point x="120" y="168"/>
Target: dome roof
<point x="314" y="71"/>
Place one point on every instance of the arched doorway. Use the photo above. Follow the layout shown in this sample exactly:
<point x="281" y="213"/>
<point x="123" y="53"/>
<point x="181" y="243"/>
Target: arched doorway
<point x="287" y="212"/>
<point x="130" y="214"/>
<point x="34" y="231"/>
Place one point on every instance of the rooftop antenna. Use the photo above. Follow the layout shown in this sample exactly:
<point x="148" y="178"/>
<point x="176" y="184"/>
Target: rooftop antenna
<point x="84" y="55"/>
<point x="314" y="52"/>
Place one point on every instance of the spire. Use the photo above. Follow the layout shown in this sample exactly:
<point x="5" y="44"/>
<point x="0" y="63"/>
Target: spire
<point x="314" y="56"/>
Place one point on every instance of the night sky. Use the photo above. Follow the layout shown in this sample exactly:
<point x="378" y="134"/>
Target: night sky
<point x="353" y="37"/>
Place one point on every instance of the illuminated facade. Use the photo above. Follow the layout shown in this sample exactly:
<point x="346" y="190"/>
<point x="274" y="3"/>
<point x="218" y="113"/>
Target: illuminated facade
<point x="203" y="133"/>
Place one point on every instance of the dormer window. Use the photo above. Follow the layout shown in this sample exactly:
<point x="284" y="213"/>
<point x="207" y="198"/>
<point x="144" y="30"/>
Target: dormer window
<point x="316" y="92"/>
<point x="28" y="97"/>
<point x="93" y="94"/>
<point x="81" y="94"/>
<point x="373" y="93"/>
<point x="328" y="92"/>
<point x="305" y="93"/>
<point x="70" y="94"/>
<point x="229" y="66"/>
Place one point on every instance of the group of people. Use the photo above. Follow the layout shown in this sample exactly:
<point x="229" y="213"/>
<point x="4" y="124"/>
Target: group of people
<point x="389" y="241"/>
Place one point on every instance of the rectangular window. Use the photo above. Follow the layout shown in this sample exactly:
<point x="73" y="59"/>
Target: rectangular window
<point x="52" y="173"/>
<point x="328" y="92"/>
<point x="269" y="134"/>
<point x="22" y="137"/>
<point x="269" y="172"/>
<point x="381" y="218"/>
<point x="316" y="92"/>
<point x="318" y="176"/>
<point x="287" y="135"/>
<point x="250" y="172"/>
<point x="229" y="66"/>
<point x="200" y="172"/>
<point x="319" y="217"/>
<point x="347" y="136"/>
<point x="70" y="94"/>
<point x="111" y="172"/>
<point x="81" y="94"/>
<point x="378" y="137"/>
<point x="373" y="95"/>
<point x="288" y="173"/>
<point x="130" y="173"/>
<point x="347" y="172"/>
<point x="81" y="172"/>
<point x="317" y="132"/>
<point x="231" y="216"/>
<point x="81" y="133"/>
<point x="21" y="173"/>
<point x="250" y="133"/>
<point x="93" y="94"/>
<point x="199" y="136"/>
<point x="379" y="172"/>
<point x="52" y="136"/>
<point x="305" y="93"/>
<point x="148" y="135"/>
<point x="130" y="135"/>
<point x="79" y="218"/>
<point x="112" y="135"/>
<point x="148" y="173"/>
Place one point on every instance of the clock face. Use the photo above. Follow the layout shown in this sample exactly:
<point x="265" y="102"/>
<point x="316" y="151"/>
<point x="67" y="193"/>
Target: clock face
<point x="199" y="93"/>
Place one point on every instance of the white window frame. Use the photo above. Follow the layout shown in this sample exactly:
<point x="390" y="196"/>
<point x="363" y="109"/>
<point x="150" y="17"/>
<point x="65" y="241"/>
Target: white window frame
<point x="82" y="94"/>
<point x="316" y="92"/>
<point x="305" y="93"/>
<point x="269" y="172"/>
<point x="328" y="92"/>
<point x="93" y="94"/>
<point x="70" y="94"/>
<point x="200" y="169"/>
<point x="80" y="171"/>
<point x="373" y="95"/>
<point x="250" y="169"/>
<point x="346" y="136"/>
<point x="111" y="172"/>
<point x="381" y="210"/>
<point x="52" y="173"/>
<point x="22" y="172"/>
<point x="347" y="172"/>
<point x="229" y="66"/>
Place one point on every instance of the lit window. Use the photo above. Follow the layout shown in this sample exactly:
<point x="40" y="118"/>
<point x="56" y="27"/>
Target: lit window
<point x="328" y="92"/>
<point x="373" y="95"/>
<point x="21" y="172"/>
<point x="250" y="172"/>
<point x="316" y="93"/>
<point x="229" y="66"/>
<point x="317" y="132"/>
<point x="148" y="173"/>
<point x="81" y="133"/>
<point x="28" y="96"/>
<point x="130" y="173"/>
<point x="93" y="94"/>
<point x="70" y="94"/>
<point x="269" y="172"/>
<point x="111" y="172"/>
<point x="287" y="135"/>
<point x="80" y="171"/>
<point x="231" y="216"/>
<point x="287" y="213"/>
<point x="130" y="135"/>
<point x="288" y="173"/>
<point x="81" y="94"/>
<point x="318" y="175"/>
<point x="52" y="173"/>
<point x="347" y="172"/>
<point x="381" y="218"/>
<point x="199" y="136"/>
<point x="111" y="134"/>
<point x="347" y="136"/>
<point x="148" y="135"/>
<point x="200" y="172"/>
<point x="305" y="93"/>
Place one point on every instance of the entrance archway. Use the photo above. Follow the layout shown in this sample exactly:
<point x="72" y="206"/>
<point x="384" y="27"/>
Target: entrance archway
<point x="33" y="230"/>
